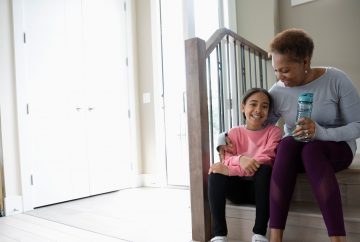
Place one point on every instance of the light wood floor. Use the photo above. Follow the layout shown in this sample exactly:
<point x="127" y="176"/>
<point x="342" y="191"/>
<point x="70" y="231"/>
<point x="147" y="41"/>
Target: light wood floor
<point x="139" y="215"/>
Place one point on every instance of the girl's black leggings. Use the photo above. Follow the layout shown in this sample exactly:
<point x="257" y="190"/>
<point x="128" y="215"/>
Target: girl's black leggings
<point x="239" y="190"/>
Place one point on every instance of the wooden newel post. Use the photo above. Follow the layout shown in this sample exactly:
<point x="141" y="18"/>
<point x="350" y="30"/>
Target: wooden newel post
<point x="198" y="135"/>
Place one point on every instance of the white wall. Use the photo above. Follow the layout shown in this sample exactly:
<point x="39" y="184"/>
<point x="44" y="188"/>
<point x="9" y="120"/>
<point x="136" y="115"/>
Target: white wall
<point x="146" y="85"/>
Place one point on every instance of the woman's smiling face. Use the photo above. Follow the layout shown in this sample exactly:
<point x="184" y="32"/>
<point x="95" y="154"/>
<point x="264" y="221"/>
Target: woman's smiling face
<point x="289" y="72"/>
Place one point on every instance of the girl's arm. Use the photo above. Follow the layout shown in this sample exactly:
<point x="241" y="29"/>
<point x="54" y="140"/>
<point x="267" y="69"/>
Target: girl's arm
<point x="238" y="165"/>
<point x="228" y="158"/>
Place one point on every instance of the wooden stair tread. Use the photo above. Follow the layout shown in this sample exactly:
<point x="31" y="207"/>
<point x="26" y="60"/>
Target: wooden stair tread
<point x="304" y="208"/>
<point x="303" y="219"/>
<point x="351" y="213"/>
<point x="347" y="176"/>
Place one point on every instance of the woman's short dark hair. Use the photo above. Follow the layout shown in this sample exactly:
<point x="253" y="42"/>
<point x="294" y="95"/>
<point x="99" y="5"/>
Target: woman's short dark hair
<point x="295" y="43"/>
<point x="254" y="90"/>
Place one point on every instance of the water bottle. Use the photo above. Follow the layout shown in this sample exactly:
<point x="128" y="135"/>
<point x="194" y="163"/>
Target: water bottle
<point x="304" y="109"/>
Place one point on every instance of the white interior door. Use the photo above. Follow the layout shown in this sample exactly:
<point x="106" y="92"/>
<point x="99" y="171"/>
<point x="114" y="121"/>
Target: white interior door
<point x="107" y="92"/>
<point x="53" y="69"/>
<point x="76" y="88"/>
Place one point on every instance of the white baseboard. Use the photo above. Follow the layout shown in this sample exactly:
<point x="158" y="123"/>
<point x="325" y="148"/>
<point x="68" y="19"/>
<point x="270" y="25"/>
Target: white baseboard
<point x="13" y="205"/>
<point x="150" y="180"/>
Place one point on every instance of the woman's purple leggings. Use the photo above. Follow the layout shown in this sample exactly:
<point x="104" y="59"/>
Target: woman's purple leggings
<point x="319" y="160"/>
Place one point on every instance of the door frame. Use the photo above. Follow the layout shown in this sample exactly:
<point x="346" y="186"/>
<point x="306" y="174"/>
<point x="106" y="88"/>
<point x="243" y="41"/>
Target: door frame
<point x="227" y="13"/>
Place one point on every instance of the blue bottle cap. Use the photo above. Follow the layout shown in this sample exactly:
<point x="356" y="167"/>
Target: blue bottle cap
<point x="306" y="97"/>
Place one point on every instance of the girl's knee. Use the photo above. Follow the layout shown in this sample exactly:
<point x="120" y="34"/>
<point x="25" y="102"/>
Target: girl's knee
<point x="263" y="174"/>
<point x="264" y="170"/>
<point x="215" y="178"/>
<point x="211" y="178"/>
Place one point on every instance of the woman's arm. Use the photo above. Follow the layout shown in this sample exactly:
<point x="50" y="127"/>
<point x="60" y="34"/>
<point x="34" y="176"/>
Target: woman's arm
<point x="349" y="110"/>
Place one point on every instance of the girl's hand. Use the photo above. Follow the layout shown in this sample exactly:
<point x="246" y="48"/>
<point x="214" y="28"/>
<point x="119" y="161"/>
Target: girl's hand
<point x="219" y="168"/>
<point x="248" y="164"/>
<point x="305" y="129"/>
<point x="222" y="152"/>
<point x="225" y="148"/>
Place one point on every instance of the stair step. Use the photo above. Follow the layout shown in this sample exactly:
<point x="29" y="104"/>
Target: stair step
<point x="305" y="222"/>
<point x="349" y="183"/>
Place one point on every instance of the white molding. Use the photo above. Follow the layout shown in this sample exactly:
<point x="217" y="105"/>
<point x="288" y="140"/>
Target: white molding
<point x="13" y="205"/>
<point x="150" y="180"/>
<point x="299" y="2"/>
<point x="131" y="39"/>
<point x="230" y="8"/>
<point x="160" y="153"/>
<point x="19" y="53"/>
<point x="188" y="13"/>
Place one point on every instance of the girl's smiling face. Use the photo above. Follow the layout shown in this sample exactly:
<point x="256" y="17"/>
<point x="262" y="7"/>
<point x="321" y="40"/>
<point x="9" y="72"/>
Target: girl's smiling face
<point x="256" y="110"/>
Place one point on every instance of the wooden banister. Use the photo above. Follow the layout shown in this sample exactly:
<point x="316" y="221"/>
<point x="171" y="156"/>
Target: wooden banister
<point x="219" y="34"/>
<point x="197" y="112"/>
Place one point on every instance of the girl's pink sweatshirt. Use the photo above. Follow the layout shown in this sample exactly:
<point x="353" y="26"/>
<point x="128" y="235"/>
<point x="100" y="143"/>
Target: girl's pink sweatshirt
<point x="257" y="144"/>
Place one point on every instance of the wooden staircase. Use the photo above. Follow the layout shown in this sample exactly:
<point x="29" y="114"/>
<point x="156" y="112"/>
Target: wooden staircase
<point x="218" y="72"/>
<point x="305" y="222"/>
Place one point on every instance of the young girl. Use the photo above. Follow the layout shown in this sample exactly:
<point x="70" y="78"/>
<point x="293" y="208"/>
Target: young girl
<point x="249" y="152"/>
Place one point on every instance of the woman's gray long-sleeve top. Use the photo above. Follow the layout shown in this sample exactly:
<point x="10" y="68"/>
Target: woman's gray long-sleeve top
<point x="336" y="106"/>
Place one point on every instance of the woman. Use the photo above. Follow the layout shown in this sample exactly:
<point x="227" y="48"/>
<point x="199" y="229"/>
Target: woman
<point x="333" y="129"/>
<point x="249" y="152"/>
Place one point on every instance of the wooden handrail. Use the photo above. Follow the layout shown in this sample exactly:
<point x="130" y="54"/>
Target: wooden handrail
<point x="219" y="34"/>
